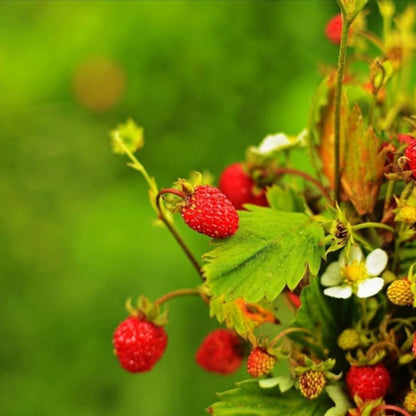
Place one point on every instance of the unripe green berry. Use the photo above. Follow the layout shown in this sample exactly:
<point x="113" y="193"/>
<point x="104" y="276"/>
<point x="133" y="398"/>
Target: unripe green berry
<point x="409" y="402"/>
<point x="349" y="339"/>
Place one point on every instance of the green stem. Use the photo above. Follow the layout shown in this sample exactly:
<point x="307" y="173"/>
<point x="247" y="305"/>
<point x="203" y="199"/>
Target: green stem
<point x="178" y="293"/>
<point x="397" y="242"/>
<point x="137" y="165"/>
<point x="174" y="231"/>
<point x="338" y="95"/>
<point x="365" y="225"/>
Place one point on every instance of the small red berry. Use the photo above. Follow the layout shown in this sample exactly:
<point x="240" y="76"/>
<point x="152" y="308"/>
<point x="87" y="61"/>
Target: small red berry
<point x="406" y="138"/>
<point x="414" y="345"/>
<point x="333" y="29"/>
<point x="238" y="186"/>
<point x="208" y="211"/>
<point x="220" y="352"/>
<point x="410" y="154"/>
<point x="139" y="344"/>
<point x="260" y="362"/>
<point x="368" y="382"/>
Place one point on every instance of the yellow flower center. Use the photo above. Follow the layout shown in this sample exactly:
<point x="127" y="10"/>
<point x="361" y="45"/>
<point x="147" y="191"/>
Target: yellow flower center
<point x="354" y="272"/>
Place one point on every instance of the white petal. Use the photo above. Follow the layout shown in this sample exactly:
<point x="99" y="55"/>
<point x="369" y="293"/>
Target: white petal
<point x="274" y="142"/>
<point x="376" y="262"/>
<point x="341" y="292"/>
<point x="355" y="255"/>
<point x="332" y="276"/>
<point x="370" y="287"/>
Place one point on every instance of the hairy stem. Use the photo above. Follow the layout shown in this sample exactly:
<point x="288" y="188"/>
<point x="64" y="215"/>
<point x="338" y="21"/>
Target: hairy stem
<point x="178" y="293"/>
<point x="338" y="95"/>
<point x="373" y="225"/>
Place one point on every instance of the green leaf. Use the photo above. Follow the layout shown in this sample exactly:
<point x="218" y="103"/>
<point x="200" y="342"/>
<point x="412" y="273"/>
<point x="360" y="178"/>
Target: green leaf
<point x="285" y="383"/>
<point x="340" y="398"/>
<point x="249" y="399"/>
<point x="352" y="8"/>
<point x="285" y="199"/>
<point x="240" y="316"/>
<point x="271" y="249"/>
<point x="130" y="134"/>
<point x="325" y="317"/>
<point x="407" y="256"/>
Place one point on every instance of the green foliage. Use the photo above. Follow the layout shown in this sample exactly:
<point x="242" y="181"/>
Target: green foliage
<point x="351" y="8"/>
<point x="282" y="199"/>
<point x="342" y="402"/>
<point x="270" y="250"/>
<point x="285" y="383"/>
<point x="323" y="316"/>
<point x="130" y="134"/>
<point x="248" y="399"/>
<point x="407" y="256"/>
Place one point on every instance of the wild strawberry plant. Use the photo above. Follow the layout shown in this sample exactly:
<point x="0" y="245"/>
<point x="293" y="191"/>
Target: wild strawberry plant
<point x="337" y="248"/>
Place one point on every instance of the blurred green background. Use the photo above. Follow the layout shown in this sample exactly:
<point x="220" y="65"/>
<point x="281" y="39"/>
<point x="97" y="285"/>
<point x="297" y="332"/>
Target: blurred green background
<point x="206" y="79"/>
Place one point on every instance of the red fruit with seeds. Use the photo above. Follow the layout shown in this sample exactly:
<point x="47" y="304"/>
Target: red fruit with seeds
<point x="410" y="154"/>
<point x="368" y="382"/>
<point x="240" y="188"/>
<point x="208" y="211"/>
<point x="414" y="345"/>
<point x="333" y="29"/>
<point x="260" y="362"/>
<point x="220" y="352"/>
<point x="139" y="344"/>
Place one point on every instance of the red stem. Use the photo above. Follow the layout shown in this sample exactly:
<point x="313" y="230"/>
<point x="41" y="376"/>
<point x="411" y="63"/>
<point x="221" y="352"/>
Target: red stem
<point x="295" y="172"/>
<point x="390" y="407"/>
<point x="173" y="230"/>
<point x="173" y="191"/>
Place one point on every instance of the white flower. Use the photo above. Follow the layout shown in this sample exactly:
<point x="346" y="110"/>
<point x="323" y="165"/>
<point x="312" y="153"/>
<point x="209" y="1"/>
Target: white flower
<point x="279" y="141"/>
<point x="355" y="275"/>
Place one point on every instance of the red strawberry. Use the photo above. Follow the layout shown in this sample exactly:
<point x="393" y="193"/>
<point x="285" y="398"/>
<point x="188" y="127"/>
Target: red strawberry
<point x="406" y="138"/>
<point x="139" y="344"/>
<point x="208" y="211"/>
<point x="333" y="29"/>
<point x="414" y="345"/>
<point x="368" y="382"/>
<point x="220" y="352"/>
<point x="260" y="362"/>
<point x="239" y="187"/>
<point x="410" y="153"/>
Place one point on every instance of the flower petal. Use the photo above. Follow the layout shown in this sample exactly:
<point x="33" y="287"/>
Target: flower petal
<point x="376" y="262"/>
<point x="332" y="276"/>
<point x="274" y="142"/>
<point x="340" y="292"/>
<point x="370" y="287"/>
<point x="355" y="255"/>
